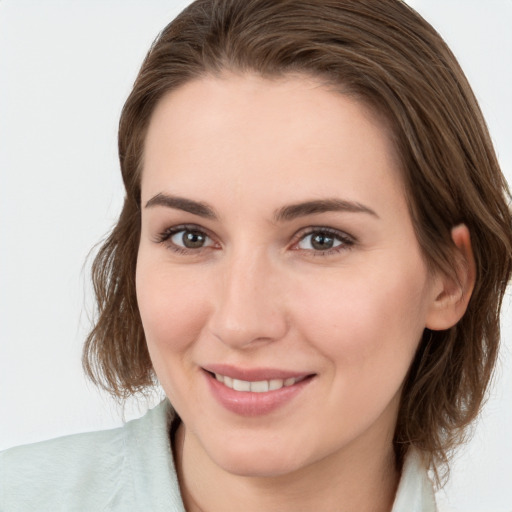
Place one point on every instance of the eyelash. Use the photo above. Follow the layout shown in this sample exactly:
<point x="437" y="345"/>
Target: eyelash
<point x="346" y="241"/>
<point x="166" y="235"/>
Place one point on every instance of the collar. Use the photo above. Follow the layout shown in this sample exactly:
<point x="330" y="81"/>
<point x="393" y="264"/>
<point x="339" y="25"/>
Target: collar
<point x="415" y="491"/>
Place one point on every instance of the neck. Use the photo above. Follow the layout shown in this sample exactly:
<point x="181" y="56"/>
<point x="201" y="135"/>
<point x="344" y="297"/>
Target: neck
<point x="360" y="478"/>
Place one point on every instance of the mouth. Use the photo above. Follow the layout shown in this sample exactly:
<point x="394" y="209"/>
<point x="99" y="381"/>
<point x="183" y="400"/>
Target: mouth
<point x="257" y="386"/>
<point x="255" y="392"/>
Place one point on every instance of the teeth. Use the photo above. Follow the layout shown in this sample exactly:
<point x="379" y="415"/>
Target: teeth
<point x="275" y="384"/>
<point x="241" y="385"/>
<point x="260" y="386"/>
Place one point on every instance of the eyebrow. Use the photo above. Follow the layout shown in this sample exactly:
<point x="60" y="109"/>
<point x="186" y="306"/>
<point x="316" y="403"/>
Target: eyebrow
<point x="181" y="203"/>
<point x="284" y="214"/>
<point x="293" y="211"/>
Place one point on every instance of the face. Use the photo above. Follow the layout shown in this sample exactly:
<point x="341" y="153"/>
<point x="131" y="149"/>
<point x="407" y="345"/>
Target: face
<point x="280" y="284"/>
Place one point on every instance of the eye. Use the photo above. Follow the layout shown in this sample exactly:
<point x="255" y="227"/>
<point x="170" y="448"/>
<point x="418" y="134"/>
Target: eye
<point x="185" y="239"/>
<point x="190" y="239"/>
<point x="324" y="240"/>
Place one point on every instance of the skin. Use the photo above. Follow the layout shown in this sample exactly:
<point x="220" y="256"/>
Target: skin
<point x="259" y="294"/>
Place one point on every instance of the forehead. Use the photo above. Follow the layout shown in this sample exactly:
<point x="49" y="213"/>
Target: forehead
<point x="248" y="130"/>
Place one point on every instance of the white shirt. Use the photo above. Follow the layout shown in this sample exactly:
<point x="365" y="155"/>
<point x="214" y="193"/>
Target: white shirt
<point x="129" y="469"/>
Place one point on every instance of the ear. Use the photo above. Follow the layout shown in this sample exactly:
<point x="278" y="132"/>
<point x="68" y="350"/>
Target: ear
<point x="451" y="294"/>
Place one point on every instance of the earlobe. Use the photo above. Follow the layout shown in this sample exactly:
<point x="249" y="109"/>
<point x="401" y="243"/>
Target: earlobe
<point x="453" y="292"/>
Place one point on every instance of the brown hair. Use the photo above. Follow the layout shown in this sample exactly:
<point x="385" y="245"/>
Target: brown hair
<point x="385" y="54"/>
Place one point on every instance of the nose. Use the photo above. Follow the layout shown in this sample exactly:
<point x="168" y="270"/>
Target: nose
<point x="249" y="308"/>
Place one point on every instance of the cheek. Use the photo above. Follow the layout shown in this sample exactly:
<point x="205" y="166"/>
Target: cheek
<point x="170" y="306"/>
<point x="173" y="314"/>
<point x="365" y="322"/>
<point x="367" y="329"/>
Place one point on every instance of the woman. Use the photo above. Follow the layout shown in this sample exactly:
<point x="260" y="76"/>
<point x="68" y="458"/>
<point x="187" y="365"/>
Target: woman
<point x="322" y="344"/>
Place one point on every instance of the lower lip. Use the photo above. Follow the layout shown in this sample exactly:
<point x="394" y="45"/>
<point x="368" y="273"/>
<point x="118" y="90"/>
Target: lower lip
<point x="246" y="403"/>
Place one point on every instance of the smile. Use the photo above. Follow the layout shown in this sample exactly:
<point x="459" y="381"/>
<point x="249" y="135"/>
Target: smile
<point x="255" y="392"/>
<point x="259" y="386"/>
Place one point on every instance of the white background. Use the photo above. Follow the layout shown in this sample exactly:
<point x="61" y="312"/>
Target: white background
<point x="66" y="68"/>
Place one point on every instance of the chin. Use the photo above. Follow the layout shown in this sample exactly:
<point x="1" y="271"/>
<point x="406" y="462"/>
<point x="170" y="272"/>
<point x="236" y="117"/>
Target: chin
<point x="258" y="462"/>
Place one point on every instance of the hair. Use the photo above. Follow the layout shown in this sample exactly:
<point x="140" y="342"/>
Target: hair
<point x="388" y="57"/>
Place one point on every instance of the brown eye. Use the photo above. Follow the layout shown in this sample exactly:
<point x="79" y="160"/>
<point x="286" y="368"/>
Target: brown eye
<point x="190" y="239"/>
<point x="324" y="240"/>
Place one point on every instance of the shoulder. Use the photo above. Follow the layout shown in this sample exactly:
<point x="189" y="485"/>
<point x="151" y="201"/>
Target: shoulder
<point x="93" y="471"/>
<point x="49" y="473"/>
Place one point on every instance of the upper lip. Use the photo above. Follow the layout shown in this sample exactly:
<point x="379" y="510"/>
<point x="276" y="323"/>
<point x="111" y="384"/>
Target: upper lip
<point x="253" y="374"/>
